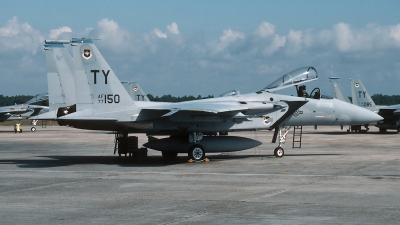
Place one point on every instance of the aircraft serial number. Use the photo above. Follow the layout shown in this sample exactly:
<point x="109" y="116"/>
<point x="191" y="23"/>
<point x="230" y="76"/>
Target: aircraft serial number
<point x="366" y="104"/>
<point x="108" y="98"/>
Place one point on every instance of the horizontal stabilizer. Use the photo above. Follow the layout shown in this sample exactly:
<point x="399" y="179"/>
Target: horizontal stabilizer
<point x="88" y="118"/>
<point x="52" y="115"/>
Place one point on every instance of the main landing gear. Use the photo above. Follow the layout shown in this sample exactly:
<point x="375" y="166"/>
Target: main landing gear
<point x="196" y="152"/>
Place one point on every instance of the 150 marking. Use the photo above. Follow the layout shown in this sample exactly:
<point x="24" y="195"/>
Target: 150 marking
<point x="108" y="98"/>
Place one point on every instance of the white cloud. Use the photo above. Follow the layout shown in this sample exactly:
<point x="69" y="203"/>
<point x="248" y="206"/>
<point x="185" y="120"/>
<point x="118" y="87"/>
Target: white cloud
<point x="395" y="34"/>
<point x="277" y="43"/>
<point x="228" y="37"/>
<point x="344" y="37"/>
<point x="19" y="36"/>
<point x="159" y="33"/>
<point x="173" y="28"/>
<point x="112" y="35"/>
<point x="294" y="42"/>
<point x="55" y="33"/>
<point x="265" y="30"/>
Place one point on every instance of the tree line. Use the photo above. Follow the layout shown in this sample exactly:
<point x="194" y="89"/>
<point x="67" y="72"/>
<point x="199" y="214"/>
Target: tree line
<point x="379" y="99"/>
<point x="170" y="98"/>
<point x="12" y="100"/>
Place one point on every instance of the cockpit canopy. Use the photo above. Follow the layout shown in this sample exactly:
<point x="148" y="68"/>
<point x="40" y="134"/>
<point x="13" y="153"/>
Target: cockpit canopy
<point x="230" y="93"/>
<point x="40" y="99"/>
<point x="296" y="77"/>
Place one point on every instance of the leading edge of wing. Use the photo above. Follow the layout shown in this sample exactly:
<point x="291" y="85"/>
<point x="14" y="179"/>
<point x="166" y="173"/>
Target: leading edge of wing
<point x="215" y="107"/>
<point x="293" y="106"/>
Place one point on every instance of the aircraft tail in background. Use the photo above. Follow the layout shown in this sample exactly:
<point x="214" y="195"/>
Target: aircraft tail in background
<point x="360" y="95"/>
<point x="337" y="90"/>
<point x="60" y="78"/>
<point x="135" y="91"/>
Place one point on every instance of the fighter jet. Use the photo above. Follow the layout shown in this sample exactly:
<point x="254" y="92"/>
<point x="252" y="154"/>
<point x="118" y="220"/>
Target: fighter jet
<point x="102" y="103"/>
<point x="390" y="114"/>
<point x="33" y="107"/>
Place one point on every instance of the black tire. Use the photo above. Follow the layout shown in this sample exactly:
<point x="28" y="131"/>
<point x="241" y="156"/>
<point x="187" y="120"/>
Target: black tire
<point x="197" y="153"/>
<point x="398" y="129"/>
<point x="169" y="155"/>
<point x="382" y="130"/>
<point x="279" y="152"/>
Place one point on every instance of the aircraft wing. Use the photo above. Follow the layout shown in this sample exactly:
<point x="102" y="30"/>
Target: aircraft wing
<point x="391" y="109"/>
<point x="13" y="111"/>
<point x="293" y="106"/>
<point x="211" y="108"/>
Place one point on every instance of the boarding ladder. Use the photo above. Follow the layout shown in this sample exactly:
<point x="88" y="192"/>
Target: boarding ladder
<point x="117" y="141"/>
<point x="44" y="123"/>
<point x="297" y="133"/>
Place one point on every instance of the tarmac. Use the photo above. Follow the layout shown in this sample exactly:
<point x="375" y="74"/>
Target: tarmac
<point x="62" y="175"/>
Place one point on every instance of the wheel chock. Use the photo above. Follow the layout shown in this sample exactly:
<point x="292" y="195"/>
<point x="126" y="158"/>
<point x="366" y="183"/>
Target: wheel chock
<point x="190" y="160"/>
<point x="206" y="160"/>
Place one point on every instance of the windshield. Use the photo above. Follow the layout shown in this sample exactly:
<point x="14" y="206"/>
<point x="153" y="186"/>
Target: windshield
<point x="298" y="76"/>
<point x="318" y="94"/>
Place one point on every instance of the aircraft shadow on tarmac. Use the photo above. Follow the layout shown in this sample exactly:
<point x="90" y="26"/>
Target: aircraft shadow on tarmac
<point x="346" y="133"/>
<point x="150" y="161"/>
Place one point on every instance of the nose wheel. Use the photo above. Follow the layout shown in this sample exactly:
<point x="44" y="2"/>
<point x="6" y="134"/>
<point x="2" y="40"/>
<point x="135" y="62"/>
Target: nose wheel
<point x="279" y="152"/>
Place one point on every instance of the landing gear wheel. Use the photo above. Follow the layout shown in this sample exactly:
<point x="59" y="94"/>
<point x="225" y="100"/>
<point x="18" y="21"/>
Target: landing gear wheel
<point x="169" y="155"/>
<point x="197" y="153"/>
<point x="382" y="130"/>
<point x="279" y="152"/>
<point x="33" y="129"/>
<point x="398" y="129"/>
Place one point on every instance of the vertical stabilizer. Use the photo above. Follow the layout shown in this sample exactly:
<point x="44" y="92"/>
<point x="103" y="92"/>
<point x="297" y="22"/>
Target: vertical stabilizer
<point x="135" y="91"/>
<point x="97" y="87"/>
<point x="337" y="90"/>
<point x="360" y="95"/>
<point x="60" y="80"/>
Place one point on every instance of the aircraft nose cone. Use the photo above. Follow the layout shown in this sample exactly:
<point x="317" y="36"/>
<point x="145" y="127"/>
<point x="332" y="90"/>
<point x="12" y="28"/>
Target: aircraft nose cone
<point x="364" y="116"/>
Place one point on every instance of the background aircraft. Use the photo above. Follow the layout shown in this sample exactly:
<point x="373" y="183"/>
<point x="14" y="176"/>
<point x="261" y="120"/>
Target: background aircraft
<point x="33" y="107"/>
<point x="390" y="114"/>
<point x="135" y="91"/>
<point x="102" y="103"/>
<point x="338" y="93"/>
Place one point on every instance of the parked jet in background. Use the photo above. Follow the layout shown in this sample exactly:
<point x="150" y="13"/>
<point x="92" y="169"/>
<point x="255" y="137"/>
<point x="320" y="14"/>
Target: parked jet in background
<point x="102" y="103"/>
<point x="33" y="107"/>
<point x="390" y="114"/>
<point x="338" y="93"/>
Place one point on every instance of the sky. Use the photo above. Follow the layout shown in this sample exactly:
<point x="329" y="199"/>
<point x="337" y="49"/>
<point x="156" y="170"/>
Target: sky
<point x="208" y="47"/>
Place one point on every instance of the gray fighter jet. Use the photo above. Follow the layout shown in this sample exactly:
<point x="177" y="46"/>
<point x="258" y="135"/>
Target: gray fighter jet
<point x="390" y="114"/>
<point x="102" y="103"/>
<point x="33" y="107"/>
